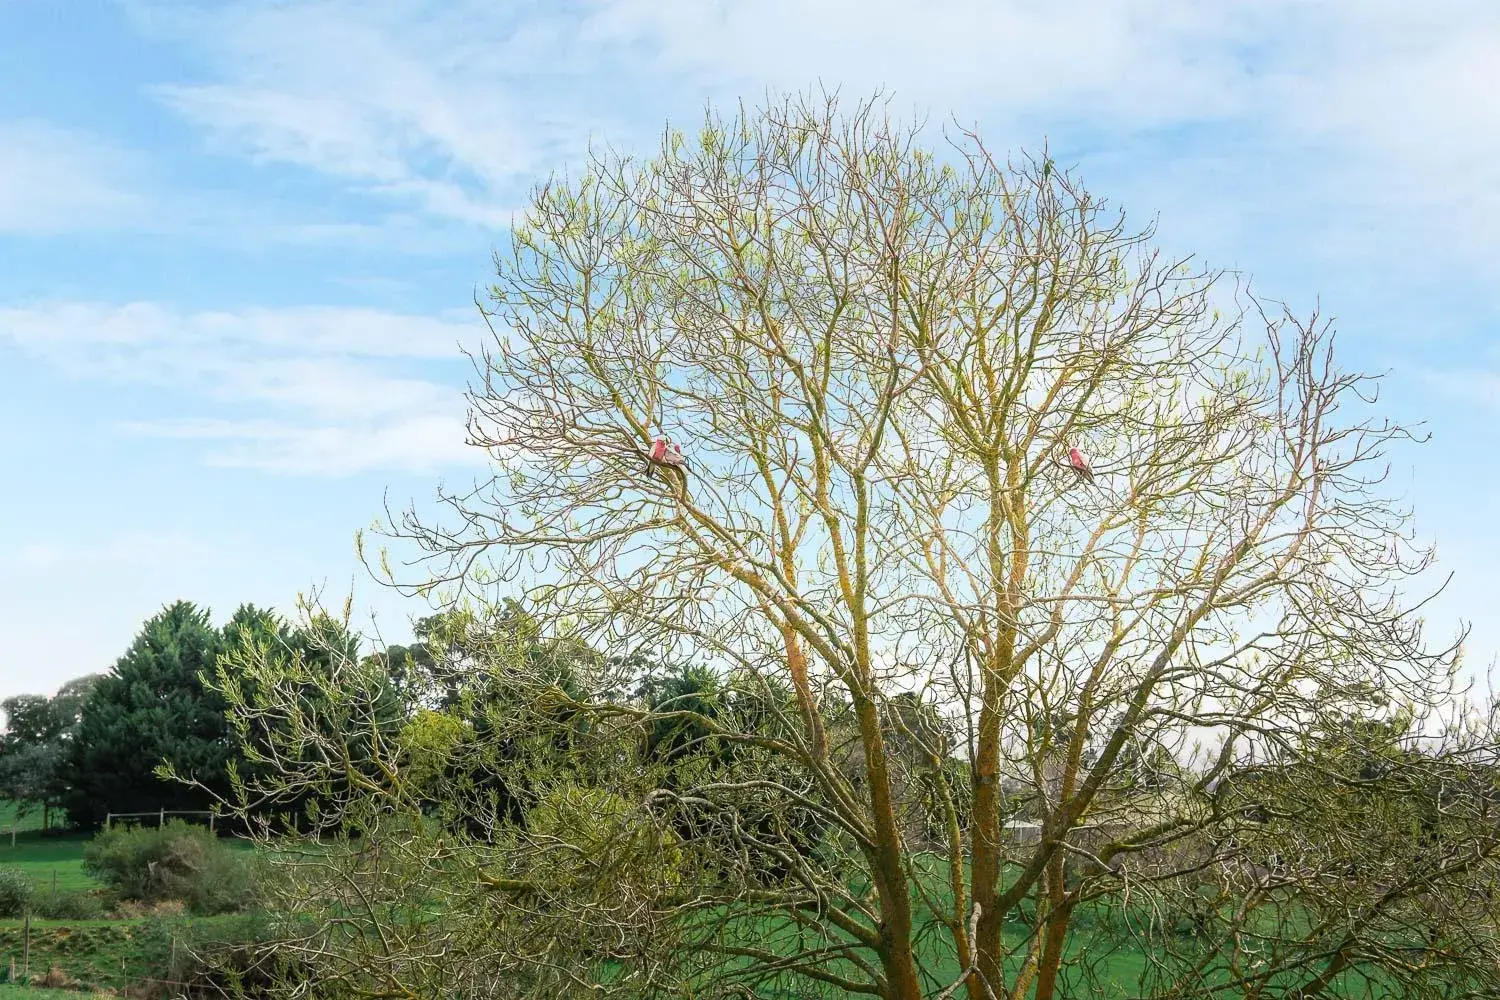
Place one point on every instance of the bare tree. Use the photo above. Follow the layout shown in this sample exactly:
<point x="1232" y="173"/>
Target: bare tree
<point x="877" y="359"/>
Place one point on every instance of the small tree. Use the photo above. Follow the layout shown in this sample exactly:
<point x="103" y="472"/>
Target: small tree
<point x="178" y="861"/>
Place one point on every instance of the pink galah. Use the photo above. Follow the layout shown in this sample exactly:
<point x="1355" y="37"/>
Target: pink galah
<point x="664" y="452"/>
<point x="1079" y="463"/>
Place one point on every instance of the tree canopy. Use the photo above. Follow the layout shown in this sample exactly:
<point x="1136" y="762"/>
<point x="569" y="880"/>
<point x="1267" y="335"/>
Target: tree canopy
<point x="152" y="707"/>
<point x="877" y="359"/>
<point x="35" y="746"/>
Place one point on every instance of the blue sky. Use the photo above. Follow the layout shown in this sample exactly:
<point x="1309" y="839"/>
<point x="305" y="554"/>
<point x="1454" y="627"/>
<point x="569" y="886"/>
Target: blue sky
<point x="239" y="241"/>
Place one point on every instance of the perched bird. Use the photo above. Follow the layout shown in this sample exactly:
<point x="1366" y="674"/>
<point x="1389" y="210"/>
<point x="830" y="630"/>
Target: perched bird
<point x="1079" y="463"/>
<point x="664" y="452"/>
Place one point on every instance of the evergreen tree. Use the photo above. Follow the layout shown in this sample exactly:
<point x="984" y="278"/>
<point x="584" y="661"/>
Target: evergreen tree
<point x="152" y="707"/>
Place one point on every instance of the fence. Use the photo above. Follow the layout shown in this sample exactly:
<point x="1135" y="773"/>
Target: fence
<point x="160" y="814"/>
<point x="16" y="971"/>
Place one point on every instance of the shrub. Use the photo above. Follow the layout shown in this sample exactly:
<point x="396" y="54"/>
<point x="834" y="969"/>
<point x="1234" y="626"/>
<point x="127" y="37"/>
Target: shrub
<point x="74" y="905"/>
<point x="176" y="861"/>
<point x="16" y="891"/>
<point x="238" y="956"/>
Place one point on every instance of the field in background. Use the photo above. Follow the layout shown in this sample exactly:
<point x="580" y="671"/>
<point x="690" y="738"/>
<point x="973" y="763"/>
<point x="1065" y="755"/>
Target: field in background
<point x="93" y="953"/>
<point x="9" y="818"/>
<point x="51" y="860"/>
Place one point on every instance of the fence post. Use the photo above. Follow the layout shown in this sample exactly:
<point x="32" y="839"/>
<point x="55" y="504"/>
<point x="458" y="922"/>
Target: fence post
<point x="161" y="818"/>
<point x="26" y="946"/>
<point x="108" y="818"/>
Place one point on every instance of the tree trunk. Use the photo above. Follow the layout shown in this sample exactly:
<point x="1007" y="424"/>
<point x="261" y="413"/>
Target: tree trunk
<point x="1058" y="918"/>
<point x="985" y="822"/>
<point x="897" y="956"/>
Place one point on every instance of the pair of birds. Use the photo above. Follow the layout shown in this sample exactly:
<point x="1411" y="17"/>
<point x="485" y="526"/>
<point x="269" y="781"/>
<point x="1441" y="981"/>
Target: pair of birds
<point x="665" y="454"/>
<point x="669" y="455"/>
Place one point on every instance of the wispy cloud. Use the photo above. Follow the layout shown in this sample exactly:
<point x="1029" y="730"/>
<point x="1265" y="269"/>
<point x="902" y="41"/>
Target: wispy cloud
<point x="135" y="548"/>
<point x="429" y="107"/>
<point x="1371" y="123"/>
<point x="414" y="442"/>
<point x="54" y="180"/>
<point x="320" y="391"/>
<point x="63" y="182"/>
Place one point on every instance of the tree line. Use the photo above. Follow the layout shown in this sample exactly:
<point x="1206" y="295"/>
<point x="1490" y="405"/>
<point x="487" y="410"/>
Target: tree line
<point x="94" y="747"/>
<point x="99" y="743"/>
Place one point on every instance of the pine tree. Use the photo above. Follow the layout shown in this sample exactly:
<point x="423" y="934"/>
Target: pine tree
<point x="152" y="707"/>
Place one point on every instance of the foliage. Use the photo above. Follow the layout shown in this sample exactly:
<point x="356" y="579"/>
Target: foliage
<point x="34" y="774"/>
<point x="469" y="749"/>
<point x="609" y="845"/>
<point x="70" y="904"/>
<point x="177" y="861"/>
<point x="235" y="956"/>
<point x="877" y="358"/>
<point x="35" y="746"/>
<point x="16" y="891"/>
<point x="306" y="656"/>
<point x="152" y="707"/>
<point x="429" y="742"/>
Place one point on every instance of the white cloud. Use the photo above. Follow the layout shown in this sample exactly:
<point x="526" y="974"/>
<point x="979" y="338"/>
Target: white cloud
<point x="88" y="331"/>
<point x="323" y="391"/>
<point x="132" y="549"/>
<point x="412" y="442"/>
<point x="1340" y="131"/>
<point x="53" y="180"/>
<point x="423" y="108"/>
<point x="1134" y="61"/>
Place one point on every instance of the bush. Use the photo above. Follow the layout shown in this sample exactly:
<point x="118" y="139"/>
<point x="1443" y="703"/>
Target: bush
<point x="239" y="956"/>
<point x="175" y="861"/>
<point x="69" y="906"/>
<point x="15" y="892"/>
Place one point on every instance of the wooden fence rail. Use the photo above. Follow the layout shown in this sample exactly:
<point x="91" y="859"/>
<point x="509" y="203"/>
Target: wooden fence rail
<point x="161" y="816"/>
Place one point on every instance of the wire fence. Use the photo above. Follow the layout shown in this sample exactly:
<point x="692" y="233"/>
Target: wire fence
<point x="142" y="988"/>
<point x="17" y="968"/>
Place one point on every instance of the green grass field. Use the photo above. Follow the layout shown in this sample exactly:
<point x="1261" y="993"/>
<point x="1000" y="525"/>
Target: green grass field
<point x="51" y="860"/>
<point x="94" y="953"/>
<point x="9" y="992"/>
